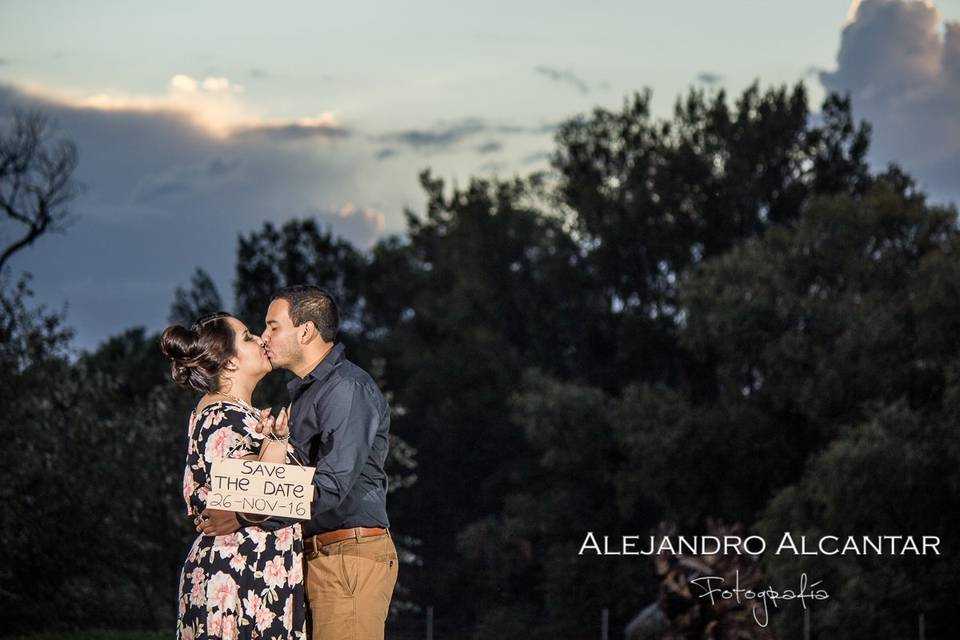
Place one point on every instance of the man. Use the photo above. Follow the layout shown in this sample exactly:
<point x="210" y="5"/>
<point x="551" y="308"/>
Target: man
<point x="339" y="422"/>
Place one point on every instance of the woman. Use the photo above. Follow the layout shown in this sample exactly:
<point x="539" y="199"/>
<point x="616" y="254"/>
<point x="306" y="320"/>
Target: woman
<point x="248" y="584"/>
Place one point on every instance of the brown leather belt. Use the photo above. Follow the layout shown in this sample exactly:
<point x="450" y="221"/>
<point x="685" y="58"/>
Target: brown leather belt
<point x="313" y="543"/>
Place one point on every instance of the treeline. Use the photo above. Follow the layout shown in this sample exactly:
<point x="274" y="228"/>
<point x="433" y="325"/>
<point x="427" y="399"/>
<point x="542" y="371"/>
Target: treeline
<point x="723" y="314"/>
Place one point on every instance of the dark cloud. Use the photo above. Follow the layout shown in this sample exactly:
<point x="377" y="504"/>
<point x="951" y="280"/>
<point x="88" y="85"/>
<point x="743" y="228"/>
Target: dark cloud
<point x="447" y="135"/>
<point x="709" y="78"/>
<point x="564" y="77"/>
<point x="295" y="131"/>
<point x="164" y="197"/>
<point x="489" y="147"/>
<point x="186" y="180"/>
<point x="440" y="137"/>
<point x="386" y="152"/>
<point x="901" y="65"/>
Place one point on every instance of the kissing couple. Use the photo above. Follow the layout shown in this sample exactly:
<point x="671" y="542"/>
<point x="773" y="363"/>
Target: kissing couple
<point x="246" y="576"/>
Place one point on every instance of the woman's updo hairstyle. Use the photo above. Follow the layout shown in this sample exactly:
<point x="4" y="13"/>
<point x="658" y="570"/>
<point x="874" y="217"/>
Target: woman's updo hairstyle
<point x="198" y="354"/>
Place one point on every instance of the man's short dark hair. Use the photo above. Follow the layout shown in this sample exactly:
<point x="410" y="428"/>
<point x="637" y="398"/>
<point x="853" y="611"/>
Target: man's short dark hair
<point x="309" y="302"/>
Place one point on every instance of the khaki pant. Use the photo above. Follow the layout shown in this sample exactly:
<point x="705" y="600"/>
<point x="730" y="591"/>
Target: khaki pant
<point x="349" y="585"/>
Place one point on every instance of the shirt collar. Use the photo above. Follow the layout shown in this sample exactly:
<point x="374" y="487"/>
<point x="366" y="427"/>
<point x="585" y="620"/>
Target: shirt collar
<point x="321" y="371"/>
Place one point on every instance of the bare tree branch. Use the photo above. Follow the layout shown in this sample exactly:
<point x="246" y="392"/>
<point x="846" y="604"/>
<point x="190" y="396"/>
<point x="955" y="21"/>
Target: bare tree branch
<point x="36" y="179"/>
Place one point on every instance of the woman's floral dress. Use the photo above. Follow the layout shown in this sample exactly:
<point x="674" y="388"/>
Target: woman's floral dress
<point x="248" y="584"/>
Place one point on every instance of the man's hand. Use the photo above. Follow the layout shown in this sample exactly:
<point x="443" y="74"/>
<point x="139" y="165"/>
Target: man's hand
<point x="215" y="522"/>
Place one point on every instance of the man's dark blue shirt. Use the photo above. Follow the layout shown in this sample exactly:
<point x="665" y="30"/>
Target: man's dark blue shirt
<point x="339" y="423"/>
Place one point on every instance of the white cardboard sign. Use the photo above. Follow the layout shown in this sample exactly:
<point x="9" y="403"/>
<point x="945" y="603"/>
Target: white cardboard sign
<point x="267" y="488"/>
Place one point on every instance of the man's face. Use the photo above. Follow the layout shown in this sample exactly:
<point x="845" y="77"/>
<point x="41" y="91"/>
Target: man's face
<point x="280" y="336"/>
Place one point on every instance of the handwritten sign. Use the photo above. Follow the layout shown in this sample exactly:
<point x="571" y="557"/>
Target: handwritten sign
<point x="267" y="488"/>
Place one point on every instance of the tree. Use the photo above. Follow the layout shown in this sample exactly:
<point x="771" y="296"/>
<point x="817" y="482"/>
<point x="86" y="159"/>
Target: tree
<point x="894" y="473"/>
<point x="201" y="298"/>
<point x="650" y="198"/>
<point x="36" y="179"/>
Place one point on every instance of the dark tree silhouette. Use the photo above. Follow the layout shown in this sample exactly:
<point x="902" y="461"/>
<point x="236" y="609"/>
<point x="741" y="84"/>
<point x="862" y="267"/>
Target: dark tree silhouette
<point x="36" y="179"/>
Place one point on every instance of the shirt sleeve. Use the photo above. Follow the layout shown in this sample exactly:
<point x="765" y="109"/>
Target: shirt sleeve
<point x="349" y="418"/>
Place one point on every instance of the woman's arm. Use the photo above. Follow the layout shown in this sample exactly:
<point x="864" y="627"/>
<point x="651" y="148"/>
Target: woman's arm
<point x="275" y="450"/>
<point x="217" y="522"/>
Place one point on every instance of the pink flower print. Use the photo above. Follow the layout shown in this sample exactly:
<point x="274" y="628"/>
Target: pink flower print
<point x="261" y="614"/>
<point x="197" y="595"/>
<point x="216" y="418"/>
<point x="283" y="539"/>
<point x="259" y="536"/>
<point x="228" y="545"/>
<point x="251" y="425"/>
<point x="187" y="633"/>
<point x="238" y="562"/>
<point x="228" y="629"/>
<point x="202" y="493"/>
<point x="219" y="443"/>
<point x="274" y="574"/>
<point x="188" y="486"/>
<point x="214" y="624"/>
<point x="222" y="590"/>
<point x="288" y="614"/>
<point x="192" y="555"/>
<point x="196" y="575"/>
<point x="295" y="575"/>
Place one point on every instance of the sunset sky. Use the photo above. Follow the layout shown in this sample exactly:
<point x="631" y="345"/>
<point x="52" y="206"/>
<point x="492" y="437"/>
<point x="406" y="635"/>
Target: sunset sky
<point x="199" y="121"/>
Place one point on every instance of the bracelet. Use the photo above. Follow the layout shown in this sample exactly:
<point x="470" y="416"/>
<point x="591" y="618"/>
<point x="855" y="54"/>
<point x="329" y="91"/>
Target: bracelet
<point x="279" y="438"/>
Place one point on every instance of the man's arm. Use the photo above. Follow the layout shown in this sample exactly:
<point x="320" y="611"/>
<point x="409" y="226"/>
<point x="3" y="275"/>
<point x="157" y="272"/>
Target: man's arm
<point x="349" y="418"/>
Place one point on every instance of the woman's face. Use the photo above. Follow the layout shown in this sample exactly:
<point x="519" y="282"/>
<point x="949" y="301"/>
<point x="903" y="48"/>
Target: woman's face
<point x="251" y="359"/>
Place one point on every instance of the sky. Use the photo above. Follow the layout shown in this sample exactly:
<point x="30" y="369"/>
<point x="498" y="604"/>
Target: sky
<point x="197" y="122"/>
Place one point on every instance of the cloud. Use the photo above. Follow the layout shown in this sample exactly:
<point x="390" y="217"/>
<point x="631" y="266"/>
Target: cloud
<point x="490" y="146"/>
<point x="186" y="180"/>
<point x="212" y="104"/>
<point x="259" y="74"/>
<point x="173" y="179"/>
<point x="322" y="127"/>
<point x="563" y="76"/>
<point x="900" y="64"/>
<point x="364" y="224"/>
<point x="386" y="152"/>
<point x="213" y="84"/>
<point x="167" y="194"/>
<point x="446" y="135"/>
<point x="441" y="137"/>
<point x="709" y="78"/>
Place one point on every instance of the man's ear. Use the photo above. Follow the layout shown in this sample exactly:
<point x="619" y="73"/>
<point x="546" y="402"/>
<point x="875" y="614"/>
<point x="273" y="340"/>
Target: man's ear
<point x="307" y="332"/>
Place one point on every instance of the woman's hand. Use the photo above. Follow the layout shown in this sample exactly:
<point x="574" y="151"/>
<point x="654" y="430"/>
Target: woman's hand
<point x="276" y="427"/>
